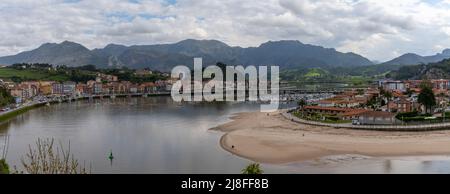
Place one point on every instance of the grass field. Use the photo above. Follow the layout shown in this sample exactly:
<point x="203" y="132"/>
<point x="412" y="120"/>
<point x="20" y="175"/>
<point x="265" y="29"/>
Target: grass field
<point x="8" y="73"/>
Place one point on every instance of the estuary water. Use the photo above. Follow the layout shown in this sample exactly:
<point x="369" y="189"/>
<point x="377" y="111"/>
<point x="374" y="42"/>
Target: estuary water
<point x="157" y="135"/>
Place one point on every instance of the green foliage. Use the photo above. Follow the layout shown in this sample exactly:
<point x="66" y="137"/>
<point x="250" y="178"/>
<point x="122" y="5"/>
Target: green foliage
<point x="78" y="75"/>
<point x="419" y="71"/>
<point x="44" y="72"/>
<point x="408" y="72"/>
<point x="252" y="169"/>
<point x="413" y="116"/>
<point x="401" y="116"/>
<point x="5" y="97"/>
<point x="4" y="168"/>
<point x="302" y="103"/>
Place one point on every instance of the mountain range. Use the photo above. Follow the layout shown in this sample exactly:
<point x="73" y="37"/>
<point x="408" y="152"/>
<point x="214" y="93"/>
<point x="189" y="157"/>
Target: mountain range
<point x="163" y="57"/>
<point x="288" y="54"/>
<point x="414" y="59"/>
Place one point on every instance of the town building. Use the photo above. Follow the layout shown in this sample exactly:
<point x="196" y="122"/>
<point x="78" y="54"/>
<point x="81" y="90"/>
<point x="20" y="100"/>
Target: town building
<point x="58" y="88"/>
<point x="377" y="118"/>
<point x="69" y="88"/>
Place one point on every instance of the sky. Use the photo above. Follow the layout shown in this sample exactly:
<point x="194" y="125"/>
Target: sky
<point x="377" y="29"/>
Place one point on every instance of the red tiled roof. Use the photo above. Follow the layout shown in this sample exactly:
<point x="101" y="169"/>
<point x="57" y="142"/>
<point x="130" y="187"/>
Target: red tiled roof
<point x="328" y="108"/>
<point x="354" y="112"/>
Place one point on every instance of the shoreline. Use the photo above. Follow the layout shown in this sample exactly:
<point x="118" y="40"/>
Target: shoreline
<point x="5" y="116"/>
<point x="273" y="139"/>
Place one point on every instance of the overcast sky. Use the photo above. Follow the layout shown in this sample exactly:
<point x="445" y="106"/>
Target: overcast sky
<point x="377" y="29"/>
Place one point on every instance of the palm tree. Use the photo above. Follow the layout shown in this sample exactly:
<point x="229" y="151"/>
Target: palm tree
<point x="252" y="169"/>
<point x="302" y="103"/>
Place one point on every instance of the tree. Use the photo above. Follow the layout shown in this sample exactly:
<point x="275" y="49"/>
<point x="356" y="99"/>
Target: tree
<point x="426" y="97"/>
<point x="388" y="95"/>
<point x="360" y="91"/>
<point x="252" y="169"/>
<point x="5" y="97"/>
<point x="302" y="103"/>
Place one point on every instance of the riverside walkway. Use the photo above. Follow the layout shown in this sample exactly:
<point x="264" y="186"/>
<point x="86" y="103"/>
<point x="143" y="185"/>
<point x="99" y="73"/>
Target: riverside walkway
<point x="406" y="128"/>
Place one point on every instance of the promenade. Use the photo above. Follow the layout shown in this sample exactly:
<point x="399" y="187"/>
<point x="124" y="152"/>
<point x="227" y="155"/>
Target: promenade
<point x="424" y="127"/>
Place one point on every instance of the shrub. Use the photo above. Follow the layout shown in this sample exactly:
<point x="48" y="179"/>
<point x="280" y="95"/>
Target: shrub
<point x="252" y="169"/>
<point x="4" y="168"/>
<point x="46" y="158"/>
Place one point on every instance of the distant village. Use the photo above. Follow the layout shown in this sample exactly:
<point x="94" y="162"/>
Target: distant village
<point x="104" y="84"/>
<point x="387" y="102"/>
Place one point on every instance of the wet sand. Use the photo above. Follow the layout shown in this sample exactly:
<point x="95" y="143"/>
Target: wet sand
<point x="275" y="140"/>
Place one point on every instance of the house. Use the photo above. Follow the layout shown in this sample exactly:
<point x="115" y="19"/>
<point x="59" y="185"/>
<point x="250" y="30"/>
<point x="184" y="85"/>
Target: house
<point x="341" y="113"/>
<point x="400" y="105"/>
<point x="107" y="78"/>
<point x="352" y="115"/>
<point x="143" y="72"/>
<point x="377" y="118"/>
<point x="326" y="103"/>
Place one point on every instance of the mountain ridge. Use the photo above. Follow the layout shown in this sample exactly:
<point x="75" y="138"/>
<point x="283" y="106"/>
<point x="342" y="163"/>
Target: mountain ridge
<point x="415" y="59"/>
<point x="285" y="53"/>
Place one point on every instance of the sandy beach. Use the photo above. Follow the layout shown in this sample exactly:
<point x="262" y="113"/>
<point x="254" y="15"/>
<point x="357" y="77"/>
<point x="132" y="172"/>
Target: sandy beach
<point x="275" y="140"/>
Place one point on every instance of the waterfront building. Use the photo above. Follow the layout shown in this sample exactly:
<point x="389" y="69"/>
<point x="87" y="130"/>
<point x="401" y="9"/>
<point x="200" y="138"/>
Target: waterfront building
<point x="98" y="88"/>
<point x="148" y="87"/>
<point x="133" y="88"/>
<point x="45" y="87"/>
<point x="57" y="88"/>
<point x="69" y="87"/>
<point x="32" y="86"/>
<point x="82" y="89"/>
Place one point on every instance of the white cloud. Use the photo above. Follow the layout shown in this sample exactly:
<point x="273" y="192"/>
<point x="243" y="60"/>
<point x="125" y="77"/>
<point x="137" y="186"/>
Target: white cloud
<point x="378" y="29"/>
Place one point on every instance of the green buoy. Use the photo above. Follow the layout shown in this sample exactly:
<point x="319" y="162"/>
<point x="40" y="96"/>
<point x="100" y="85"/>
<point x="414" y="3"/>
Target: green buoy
<point x="111" y="157"/>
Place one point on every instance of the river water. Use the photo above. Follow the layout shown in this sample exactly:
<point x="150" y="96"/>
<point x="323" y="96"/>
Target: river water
<point x="156" y="135"/>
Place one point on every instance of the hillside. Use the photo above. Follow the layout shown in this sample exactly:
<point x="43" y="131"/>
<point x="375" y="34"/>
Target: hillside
<point x="163" y="57"/>
<point x="439" y="70"/>
<point x="414" y="59"/>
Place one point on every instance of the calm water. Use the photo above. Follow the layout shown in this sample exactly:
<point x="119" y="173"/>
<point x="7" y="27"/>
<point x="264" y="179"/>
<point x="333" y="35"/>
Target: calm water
<point x="155" y="135"/>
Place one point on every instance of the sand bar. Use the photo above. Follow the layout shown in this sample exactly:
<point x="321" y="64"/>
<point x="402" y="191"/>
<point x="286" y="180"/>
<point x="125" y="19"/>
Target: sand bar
<point x="274" y="139"/>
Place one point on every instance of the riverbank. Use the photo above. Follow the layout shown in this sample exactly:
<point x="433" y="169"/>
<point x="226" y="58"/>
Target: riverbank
<point x="5" y="116"/>
<point x="276" y="140"/>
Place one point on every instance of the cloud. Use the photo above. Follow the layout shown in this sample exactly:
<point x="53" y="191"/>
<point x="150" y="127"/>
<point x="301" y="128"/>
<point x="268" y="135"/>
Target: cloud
<point x="378" y="29"/>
